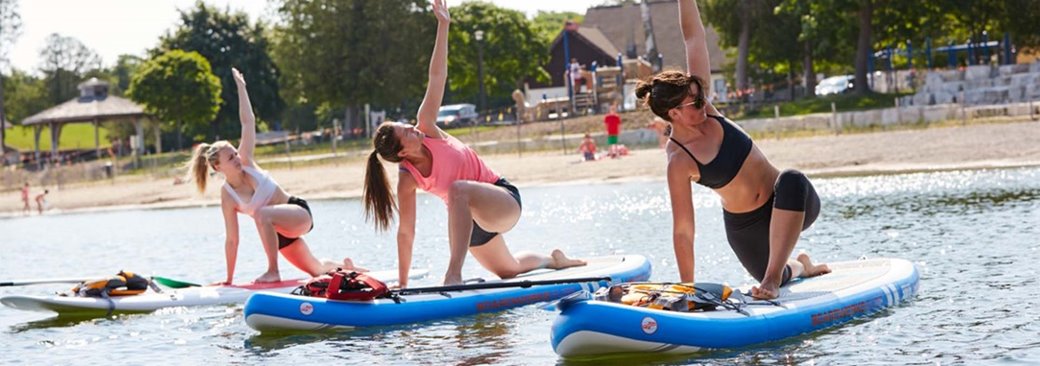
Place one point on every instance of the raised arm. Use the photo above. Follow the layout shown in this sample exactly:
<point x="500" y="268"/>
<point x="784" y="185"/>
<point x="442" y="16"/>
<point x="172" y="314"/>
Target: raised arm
<point x="697" y="61"/>
<point x="227" y="206"/>
<point x="406" y="226"/>
<point x="427" y="116"/>
<point x="682" y="218"/>
<point x="245" y="116"/>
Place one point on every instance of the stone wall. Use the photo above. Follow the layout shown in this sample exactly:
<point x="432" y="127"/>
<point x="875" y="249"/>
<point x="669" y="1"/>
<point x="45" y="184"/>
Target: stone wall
<point x="979" y="85"/>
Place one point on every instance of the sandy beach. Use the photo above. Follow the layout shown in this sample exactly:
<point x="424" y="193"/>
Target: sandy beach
<point x="943" y="148"/>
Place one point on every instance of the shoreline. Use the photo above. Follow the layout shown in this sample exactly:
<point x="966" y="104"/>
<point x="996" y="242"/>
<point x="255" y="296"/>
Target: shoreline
<point x="972" y="147"/>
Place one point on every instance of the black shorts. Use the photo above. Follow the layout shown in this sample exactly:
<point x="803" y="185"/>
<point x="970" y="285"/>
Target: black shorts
<point x="284" y="241"/>
<point x="748" y="233"/>
<point x="480" y="236"/>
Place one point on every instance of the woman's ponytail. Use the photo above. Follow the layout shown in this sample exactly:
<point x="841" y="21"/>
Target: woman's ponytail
<point x="198" y="167"/>
<point x="204" y="157"/>
<point x="379" y="201"/>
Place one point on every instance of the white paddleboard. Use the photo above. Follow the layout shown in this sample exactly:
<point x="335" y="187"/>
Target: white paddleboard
<point x="151" y="301"/>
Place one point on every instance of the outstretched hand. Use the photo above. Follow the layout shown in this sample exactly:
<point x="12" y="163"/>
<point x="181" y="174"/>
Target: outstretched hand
<point x="440" y="9"/>
<point x="241" y="81"/>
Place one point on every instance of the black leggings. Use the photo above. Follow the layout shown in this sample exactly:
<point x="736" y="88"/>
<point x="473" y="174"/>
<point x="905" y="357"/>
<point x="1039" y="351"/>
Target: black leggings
<point x="748" y="233"/>
<point x="282" y="240"/>
<point x="480" y="236"/>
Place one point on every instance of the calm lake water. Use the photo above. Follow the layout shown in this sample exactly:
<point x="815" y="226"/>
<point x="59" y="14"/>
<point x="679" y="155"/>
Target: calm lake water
<point x="974" y="235"/>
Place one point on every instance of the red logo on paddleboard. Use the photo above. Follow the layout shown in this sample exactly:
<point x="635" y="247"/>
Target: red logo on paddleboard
<point x="649" y="325"/>
<point x="306" y="308"/>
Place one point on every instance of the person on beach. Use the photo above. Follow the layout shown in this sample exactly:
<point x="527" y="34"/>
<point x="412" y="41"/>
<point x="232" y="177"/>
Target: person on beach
<point x="41" y="201"/>
<point x="764" y="209"/>
<point x="613" y="123"/>
<point x="481" y="204"/>
<point x="281" y="219"/>
<point x="25" y="199"/>
<point x="587" y="148"/>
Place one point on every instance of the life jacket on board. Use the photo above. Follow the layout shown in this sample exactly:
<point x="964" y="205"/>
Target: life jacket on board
<point x="668" y="296"/>
<point x="122" y="284"/>
<point x="343" y="285"/>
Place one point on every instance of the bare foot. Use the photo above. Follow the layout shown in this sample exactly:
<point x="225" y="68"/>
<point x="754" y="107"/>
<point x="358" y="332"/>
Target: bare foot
<point x="765" y="291"/>
<point x="452" y="279"/>
<point x="349" y="265"/>
<point x="560" y="261"/>
<point x="812" y="270"/>
<point x="268" y="277"/>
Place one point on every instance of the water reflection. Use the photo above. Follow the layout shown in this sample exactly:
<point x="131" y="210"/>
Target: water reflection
<point x="973" y="236"/>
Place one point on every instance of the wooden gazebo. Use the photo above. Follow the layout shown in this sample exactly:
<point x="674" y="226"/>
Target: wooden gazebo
<point x="93" y="105"/>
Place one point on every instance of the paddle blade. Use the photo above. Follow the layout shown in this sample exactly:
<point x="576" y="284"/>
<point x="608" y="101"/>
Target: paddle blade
<point x="172" y="283"/>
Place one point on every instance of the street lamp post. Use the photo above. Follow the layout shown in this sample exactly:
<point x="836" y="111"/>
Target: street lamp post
<point x="479" y="36"/>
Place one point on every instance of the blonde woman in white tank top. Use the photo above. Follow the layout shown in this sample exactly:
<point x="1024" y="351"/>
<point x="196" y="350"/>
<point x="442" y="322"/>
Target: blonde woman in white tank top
<point x="281" y="219"/>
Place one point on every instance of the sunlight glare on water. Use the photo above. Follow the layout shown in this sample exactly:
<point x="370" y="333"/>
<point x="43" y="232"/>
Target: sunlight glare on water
<point x="972" y="234"/>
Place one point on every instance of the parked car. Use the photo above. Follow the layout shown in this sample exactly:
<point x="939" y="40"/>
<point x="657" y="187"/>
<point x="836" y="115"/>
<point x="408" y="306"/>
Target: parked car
<point x="457" y="115"/>
<point x="835" y="85"/>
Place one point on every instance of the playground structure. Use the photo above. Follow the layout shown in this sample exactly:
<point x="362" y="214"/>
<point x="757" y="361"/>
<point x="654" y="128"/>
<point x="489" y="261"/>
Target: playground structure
<point x="600" y="87"/>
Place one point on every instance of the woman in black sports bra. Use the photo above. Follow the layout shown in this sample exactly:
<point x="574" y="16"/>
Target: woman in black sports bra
<point x="765" y="210"/>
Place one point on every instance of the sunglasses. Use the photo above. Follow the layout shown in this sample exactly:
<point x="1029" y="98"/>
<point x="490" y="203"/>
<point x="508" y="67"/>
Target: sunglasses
<point x="698" y="102"/>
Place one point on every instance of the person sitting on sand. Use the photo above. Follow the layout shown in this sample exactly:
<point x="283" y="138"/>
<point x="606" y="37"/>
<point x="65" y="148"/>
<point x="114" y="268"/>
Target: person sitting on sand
<point x="281" y="219"/>
<point x="764" y="209"/>
<point x="588" y="148"/>
<point x="481" y="204"/>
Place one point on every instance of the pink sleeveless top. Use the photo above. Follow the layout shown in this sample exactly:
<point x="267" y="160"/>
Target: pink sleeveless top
<point x="452" y="161"/>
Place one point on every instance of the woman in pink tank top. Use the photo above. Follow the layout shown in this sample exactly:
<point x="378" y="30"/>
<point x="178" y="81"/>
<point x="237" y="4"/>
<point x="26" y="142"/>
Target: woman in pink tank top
<point x="481" y="204"/>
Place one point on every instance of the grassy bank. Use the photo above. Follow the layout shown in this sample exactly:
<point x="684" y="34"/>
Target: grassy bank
<point x="842" y="102"/>
<point x="73" y="136"/>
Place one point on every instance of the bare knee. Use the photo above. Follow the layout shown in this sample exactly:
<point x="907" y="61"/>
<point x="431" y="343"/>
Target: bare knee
<point x="263" y="217"/>
<point x="507" y="273"/>
<point x="460" y="193"/>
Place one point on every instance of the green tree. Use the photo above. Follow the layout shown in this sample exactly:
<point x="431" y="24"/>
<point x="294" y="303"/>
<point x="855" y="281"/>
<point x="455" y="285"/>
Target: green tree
<point x="125" y="67"/>
<point x="343" y="54"/>
<point x="25" y="94"/>
<point x="229" y="40"/>
<point x="548" y="24"/>
<point x="775" y="50"/>
<point x="970" y="19"/>
<point x="65" y="61"/>
<point x="734" y="20"/>
<point x="10" y="29"/>
<point x="178" y="87"/>
<point x="512" y="52"/>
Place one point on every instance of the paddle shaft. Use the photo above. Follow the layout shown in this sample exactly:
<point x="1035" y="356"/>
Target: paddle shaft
<point x="494" y="285"/>
<point x="46" y="281"/>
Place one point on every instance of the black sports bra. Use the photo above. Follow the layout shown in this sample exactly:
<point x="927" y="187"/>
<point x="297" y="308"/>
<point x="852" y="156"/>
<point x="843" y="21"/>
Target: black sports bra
<point x="736" y="145"/>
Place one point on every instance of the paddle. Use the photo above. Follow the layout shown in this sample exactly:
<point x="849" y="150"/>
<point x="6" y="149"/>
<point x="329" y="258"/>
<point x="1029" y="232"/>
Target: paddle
<point x="45" y="281"/>
<point x="168" y="282"/>
<point x="493" y="285"/>
<point x="175" y="283"/>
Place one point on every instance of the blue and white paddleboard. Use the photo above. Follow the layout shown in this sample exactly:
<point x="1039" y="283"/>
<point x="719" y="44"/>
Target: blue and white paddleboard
<point x="266" y="311"/>
<point x="855" y="288"/>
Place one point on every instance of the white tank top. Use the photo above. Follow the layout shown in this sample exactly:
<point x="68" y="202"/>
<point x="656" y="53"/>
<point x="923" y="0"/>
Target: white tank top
<point x="265" y="187"/>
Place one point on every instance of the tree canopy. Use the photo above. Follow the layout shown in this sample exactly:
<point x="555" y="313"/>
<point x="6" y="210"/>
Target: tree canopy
<point x="343" y="54"/>
<point x="513" y="52"/>
<point x="228" y="39"/>
<point x="180" y="89"/>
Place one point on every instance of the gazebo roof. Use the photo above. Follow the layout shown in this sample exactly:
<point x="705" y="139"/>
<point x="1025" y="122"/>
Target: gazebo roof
<point x="94" y="103"/>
